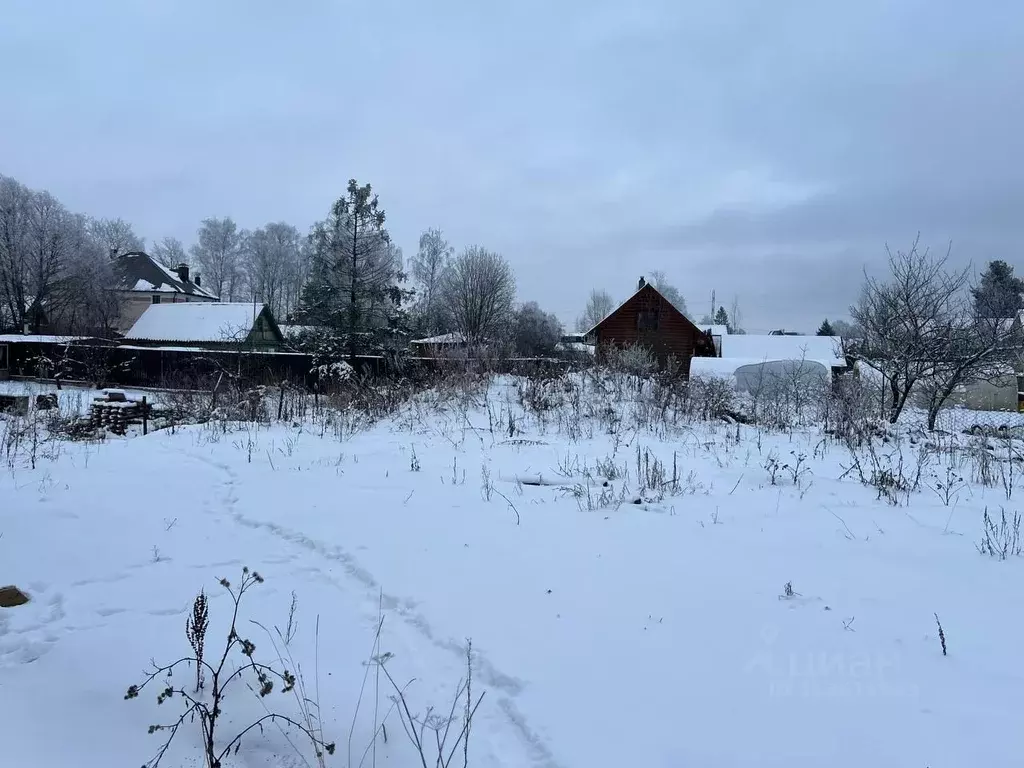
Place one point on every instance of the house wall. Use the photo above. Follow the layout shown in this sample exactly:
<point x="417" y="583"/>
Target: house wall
<point x="674" y="337"/>
<point x="134" y="303"/>
<point x="262" y="335"/>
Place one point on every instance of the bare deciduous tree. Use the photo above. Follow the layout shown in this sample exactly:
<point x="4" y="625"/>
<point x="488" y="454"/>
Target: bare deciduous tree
<point x="920" y="329"/>
<point x="217" y="254"/>
<point x="900" y="319"/>
<point x="116" y="236"/>
<point x="536" y="332"/>
<point x="169" y="251"/>
<point x="660" y="281"/>
<point x="15" y="200"/>
<point x="428" y="269"/>
<point x="599" y="305"/>
<point x="479" y="293"/>
<point x="271" y="255"/>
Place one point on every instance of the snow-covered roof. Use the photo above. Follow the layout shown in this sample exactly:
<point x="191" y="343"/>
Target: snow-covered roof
<point x="826" y="350"/>
<point x="716" y="330"/>
<point x="139" y="271"/>
<point x="444" y="338"/>
<point x="15" y="338"/>
<point x="202" y="321"/>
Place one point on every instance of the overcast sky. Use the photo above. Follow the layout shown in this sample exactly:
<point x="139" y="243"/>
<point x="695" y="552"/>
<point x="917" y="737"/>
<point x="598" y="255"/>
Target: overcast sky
<point x="765" y="150"/>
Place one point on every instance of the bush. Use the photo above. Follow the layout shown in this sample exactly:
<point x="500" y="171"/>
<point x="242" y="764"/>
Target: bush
<point x="207" y="710"/>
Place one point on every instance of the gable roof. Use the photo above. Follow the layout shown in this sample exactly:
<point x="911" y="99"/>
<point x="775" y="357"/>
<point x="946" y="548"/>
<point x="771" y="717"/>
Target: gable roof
<point x="826" y="350"/>
<point x="645" y="287"/>
<point x="138" y="271"/>
<point x="201" y="322"/>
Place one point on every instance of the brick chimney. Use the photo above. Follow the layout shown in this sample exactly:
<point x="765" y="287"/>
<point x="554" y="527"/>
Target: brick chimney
<point x="182" y="270"/>
<point x="641" y="284"/>
<point x="199" y="280"/>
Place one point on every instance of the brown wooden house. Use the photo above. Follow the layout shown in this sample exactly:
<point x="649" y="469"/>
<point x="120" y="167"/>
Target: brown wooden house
<point x="649" y="320"/>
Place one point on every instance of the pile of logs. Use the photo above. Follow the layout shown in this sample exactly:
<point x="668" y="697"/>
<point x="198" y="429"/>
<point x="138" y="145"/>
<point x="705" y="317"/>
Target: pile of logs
<point x="114" y="411"/>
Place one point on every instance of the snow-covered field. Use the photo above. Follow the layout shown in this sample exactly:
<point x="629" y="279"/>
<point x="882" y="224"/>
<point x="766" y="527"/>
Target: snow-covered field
<point x="722" y="620"/>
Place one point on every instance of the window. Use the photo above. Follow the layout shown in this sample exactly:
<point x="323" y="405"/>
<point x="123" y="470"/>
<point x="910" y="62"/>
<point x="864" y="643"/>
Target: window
<point x="3" y="357"/>
<point x="156" y="299"/>
<point x="647" y="320"/>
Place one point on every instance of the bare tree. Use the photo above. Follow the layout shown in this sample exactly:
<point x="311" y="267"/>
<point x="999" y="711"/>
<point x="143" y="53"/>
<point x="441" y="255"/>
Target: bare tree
<point x="479" y="293"/>
<point x="169" y="251"/>
<point x="271" y="256"/>
<point x="116" y="236"/>
<point x="660" y="281"/>
<point x="217" y="254"/>
<point x="15" y="201"/>
<point x="428" y="270"/>
<point x="49" y="251"/>
<point x="536" y="332"/>
<point x="599" y="305"/>
<point x="82" y="302"/>
<point x="736" y="316"/>
<point x="919" y="328"/>
<point x="977" y="344"/>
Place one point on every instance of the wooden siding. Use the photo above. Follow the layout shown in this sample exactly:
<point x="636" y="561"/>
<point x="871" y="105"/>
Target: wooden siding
<point x="673" y="337"/>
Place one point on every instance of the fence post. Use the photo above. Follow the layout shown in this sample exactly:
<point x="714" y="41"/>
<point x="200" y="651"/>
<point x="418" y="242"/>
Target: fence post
<point x="145" y="416"/>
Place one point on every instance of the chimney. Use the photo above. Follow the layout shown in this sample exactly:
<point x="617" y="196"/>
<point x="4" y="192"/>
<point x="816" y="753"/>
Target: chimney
<point x="199" y="280"/>
<point x="641" y="284"/>
<point x="182" y="270"/>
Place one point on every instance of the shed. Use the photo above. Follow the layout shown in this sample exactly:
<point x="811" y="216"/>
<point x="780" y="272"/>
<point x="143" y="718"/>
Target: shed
<point x="648" y="319"/>
<point x="433" y="346"/>
<point x="208" y="325"/>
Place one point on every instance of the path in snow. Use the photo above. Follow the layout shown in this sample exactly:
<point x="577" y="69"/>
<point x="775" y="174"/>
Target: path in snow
<point x="506" y="686"/>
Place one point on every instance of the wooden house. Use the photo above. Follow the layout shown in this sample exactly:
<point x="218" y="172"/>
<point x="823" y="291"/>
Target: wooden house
<point x="647" y="319"/>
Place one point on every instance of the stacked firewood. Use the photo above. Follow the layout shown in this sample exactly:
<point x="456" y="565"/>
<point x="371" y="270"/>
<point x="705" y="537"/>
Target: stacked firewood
<point x="114" y="411"/>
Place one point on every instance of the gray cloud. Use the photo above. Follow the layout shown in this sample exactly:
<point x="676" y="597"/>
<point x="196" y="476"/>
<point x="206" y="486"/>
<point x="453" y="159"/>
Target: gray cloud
<point x="762" y="150"/>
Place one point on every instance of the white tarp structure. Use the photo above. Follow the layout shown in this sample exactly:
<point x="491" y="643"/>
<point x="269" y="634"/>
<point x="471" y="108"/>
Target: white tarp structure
<point x="751" y="375"/>
<point x="756" y="363"/>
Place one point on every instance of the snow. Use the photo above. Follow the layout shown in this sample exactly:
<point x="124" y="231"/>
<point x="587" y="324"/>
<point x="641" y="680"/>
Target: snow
<point x="716" y="330"/>
<point x="444" y="338"/>
<point x="720" y="367"/>
<point x="71" y="399"/>
<point x="19" y="338"/>
<point x="167" y="348"/>
<point x="826" y="350"/>
<point x="651" y="634"/>
<point x="202" y="321"/>
<point x="576" y="346"/>
<point x="145" y="285"/>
